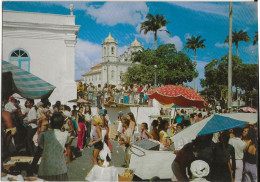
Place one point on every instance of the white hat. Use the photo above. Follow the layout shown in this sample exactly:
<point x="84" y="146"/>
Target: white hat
<point x="199" y="168"/>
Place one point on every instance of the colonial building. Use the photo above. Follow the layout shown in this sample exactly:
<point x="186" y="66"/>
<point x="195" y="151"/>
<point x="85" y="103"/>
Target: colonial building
<point x="43" y="44"/>
<point x="112" y="67"/>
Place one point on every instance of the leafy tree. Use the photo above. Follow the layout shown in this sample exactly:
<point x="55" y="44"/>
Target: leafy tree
<point x="173" y="67"/>
<point x="154" y="24"/>
<point x="255" y="38"/>
<point x="195" y="43"/>
<point x="245" y="76"/>
<point x="237" y="37"/>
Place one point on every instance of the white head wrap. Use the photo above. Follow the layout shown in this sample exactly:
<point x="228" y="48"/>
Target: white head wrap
<point x="103" y="155"/>
<point x="199" y="168"/>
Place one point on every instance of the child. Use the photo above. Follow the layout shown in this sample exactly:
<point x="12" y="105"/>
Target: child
<point x="144" y="133"/>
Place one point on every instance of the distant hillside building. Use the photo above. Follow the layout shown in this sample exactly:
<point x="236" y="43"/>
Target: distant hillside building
<point x="43" y="44"/>
<point x="112" y="66"/>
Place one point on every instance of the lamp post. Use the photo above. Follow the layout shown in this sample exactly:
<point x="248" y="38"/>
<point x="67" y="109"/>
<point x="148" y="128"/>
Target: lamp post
<point x="155" y="76"/>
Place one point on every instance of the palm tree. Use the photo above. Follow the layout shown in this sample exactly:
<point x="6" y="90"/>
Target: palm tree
<point x="194" y="43"/>
<point x="237" y="37"/>
<point x="255" y="38"/>
<point x="154" y="24"/>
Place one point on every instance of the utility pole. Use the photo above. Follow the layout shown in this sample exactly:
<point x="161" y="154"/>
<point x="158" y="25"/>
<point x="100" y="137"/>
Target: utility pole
<point x="230" y="58"/>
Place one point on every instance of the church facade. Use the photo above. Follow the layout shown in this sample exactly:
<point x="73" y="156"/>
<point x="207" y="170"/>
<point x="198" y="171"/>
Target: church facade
<point x="44" y="45"/>
<point x="112" y="66"/>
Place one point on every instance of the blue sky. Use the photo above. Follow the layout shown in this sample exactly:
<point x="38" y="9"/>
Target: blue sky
<point x="122" y="19"/>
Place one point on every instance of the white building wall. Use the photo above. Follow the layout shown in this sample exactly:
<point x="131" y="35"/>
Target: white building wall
<point x="50" y="42"/>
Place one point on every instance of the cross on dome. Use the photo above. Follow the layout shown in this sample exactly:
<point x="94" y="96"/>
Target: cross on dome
<point x="109" y="38"/>
<point x="135" y="43"/>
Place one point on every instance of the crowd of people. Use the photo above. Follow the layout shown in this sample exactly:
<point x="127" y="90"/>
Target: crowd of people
<point x="51" y="129"/>
<point x="133" y="94"/>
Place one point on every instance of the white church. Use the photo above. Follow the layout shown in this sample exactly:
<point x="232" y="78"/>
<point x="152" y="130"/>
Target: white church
<point x="112" y="67"/>
<point x="44" y="45"/>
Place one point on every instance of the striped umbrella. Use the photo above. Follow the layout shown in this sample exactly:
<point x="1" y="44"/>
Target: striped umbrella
<point x="179" y="95"/>
<point x="27" y="84"/>
<point x="248" y="109"/>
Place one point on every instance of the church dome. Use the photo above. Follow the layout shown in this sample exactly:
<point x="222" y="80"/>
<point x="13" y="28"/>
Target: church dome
<point x="109" y="38"/>
<point x="135" y="43"/>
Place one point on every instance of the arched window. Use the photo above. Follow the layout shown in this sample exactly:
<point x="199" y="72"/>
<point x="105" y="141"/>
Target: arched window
<point x="112" y="75"/>
<point x="20" y="58"/>
<point x="105" y="51"/>
<point x="112" y="50"/>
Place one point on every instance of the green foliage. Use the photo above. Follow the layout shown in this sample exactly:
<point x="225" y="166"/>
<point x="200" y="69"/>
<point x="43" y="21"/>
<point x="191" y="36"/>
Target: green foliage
<point x="194" y="43"/>
<point x="173" y="67"/>
<point x="244" y="76"/>
<point x="255" y="38"/>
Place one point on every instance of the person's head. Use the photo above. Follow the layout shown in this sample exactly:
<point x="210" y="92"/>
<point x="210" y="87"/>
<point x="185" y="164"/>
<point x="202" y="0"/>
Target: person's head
<point x="163" y="125"/>
<point x="245" y="132"/>
<point x="99" y="85"/>
<point x="47" y="104"/>
<point x="144" y="126"/>
<point x="154" y="123"/>
<point x="39" y="104"/>
<point x="130" y="116"/>
<point x="159" y="120"/>
<point x="80" y="109"/>
<point x="120" y="113"/>
<point x="87" y="109"/>
<point x="57" y="120"/>
<point x="224" y="137"/>
<point x="101" y="112"/>
<point x="125" y="123"/>
<point x="30" y="103"/>
<point x="179" y="127"/>
<point x="186" y="123"/>
<point x="55" y="108"/>
<point x="252" y="135"/>
<point x="97" y="121"/>
<point x="191" y="116"/>
<point x="80" y="83"/>
<point x="74" y="107"/>
<point x="58" y="104"/>
<point x="11" y="99"/>
<point x="200" y="115"/>
<point x="238" y="132"/>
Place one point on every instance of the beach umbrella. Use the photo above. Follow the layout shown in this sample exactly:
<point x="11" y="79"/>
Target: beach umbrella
<point x="213" y="124"/>
<point x="248" y="109"/>
<point x="179" y="95"/>
<point x="81" y="101"/>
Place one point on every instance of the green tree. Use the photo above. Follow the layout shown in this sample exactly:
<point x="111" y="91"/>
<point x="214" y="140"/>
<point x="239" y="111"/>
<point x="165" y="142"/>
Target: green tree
<point x="255" y="38"/>
<point x="216" y="75"/>
<point x="154" y="24"/>
<point x="237" y="37"/>
<point x="195" y="43"/>
<point x="173" y="67"/>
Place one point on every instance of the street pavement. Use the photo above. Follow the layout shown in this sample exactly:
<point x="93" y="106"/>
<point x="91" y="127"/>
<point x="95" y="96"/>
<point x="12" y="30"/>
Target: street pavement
<point x="82" y="164"/>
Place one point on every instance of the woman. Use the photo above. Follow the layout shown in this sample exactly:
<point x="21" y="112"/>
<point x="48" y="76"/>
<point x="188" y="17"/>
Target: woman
<point x="164" y="137"/>
<point x="220" y="169"/>
<point x="155" y="132"/>
<point x="80" y="119"/>
<point x="245" y="136"/>
<point x="132" y="124"/>
<point x="144" y="133"/>
<point x="68" y="126"/>
<point x="106" y="133"/>
<point x="250" y="157"/>
<point x="88" y="118"/>
<point x="53" y="166"/>
<point x="126" y="95"/>
<point x="97" y="139"/>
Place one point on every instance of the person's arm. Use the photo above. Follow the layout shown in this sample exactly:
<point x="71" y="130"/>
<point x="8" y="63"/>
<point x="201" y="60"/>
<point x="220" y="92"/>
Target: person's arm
<point x="77" y="121"/>
<point x="32" y="120"/>
<point x="161" y="137"/>
<point x="148" y="134"/>
<point x="232" y="154"/>
<point x="70" y="126"/>
<point x="99" y="135"/>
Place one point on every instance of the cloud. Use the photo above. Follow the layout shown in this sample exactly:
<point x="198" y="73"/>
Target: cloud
<point x="221" y="45"/>
<point x="206" y="7"/>
<point x="165" y="38"/>
<point x="121" y="50"/>
<point x="112" y="13"/>
<point x="88" y="54"/>
<point x="187" y="36"/>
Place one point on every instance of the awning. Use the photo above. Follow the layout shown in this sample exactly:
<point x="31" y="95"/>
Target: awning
<point x="25" y="83"/>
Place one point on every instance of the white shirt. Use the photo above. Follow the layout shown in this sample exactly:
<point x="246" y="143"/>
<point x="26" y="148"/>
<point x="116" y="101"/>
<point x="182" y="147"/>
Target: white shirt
<point x="10" y="107"/>
<point x="53" y="161"/>
<point x="32" y="115"/>
<point x="98" y="173"/>
<point x="239" y="147"/>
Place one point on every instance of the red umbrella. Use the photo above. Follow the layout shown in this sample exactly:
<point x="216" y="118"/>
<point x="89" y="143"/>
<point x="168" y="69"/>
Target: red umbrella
<point x="179" y="95"/>
<point x="82" y="101"/>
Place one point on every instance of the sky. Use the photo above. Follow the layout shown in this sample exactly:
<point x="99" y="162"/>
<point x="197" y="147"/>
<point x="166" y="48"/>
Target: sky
<point x="210" y="20"/>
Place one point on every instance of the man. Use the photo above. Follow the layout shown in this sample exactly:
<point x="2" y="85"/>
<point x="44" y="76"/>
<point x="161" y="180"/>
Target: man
<point x="127" y="140"/>
<point x="32" y="127"/>
<point x="80" y="90"/>
<point x="239" y="147"/>
<point x="10" y="106"/>
<point x="90" y="92"/>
